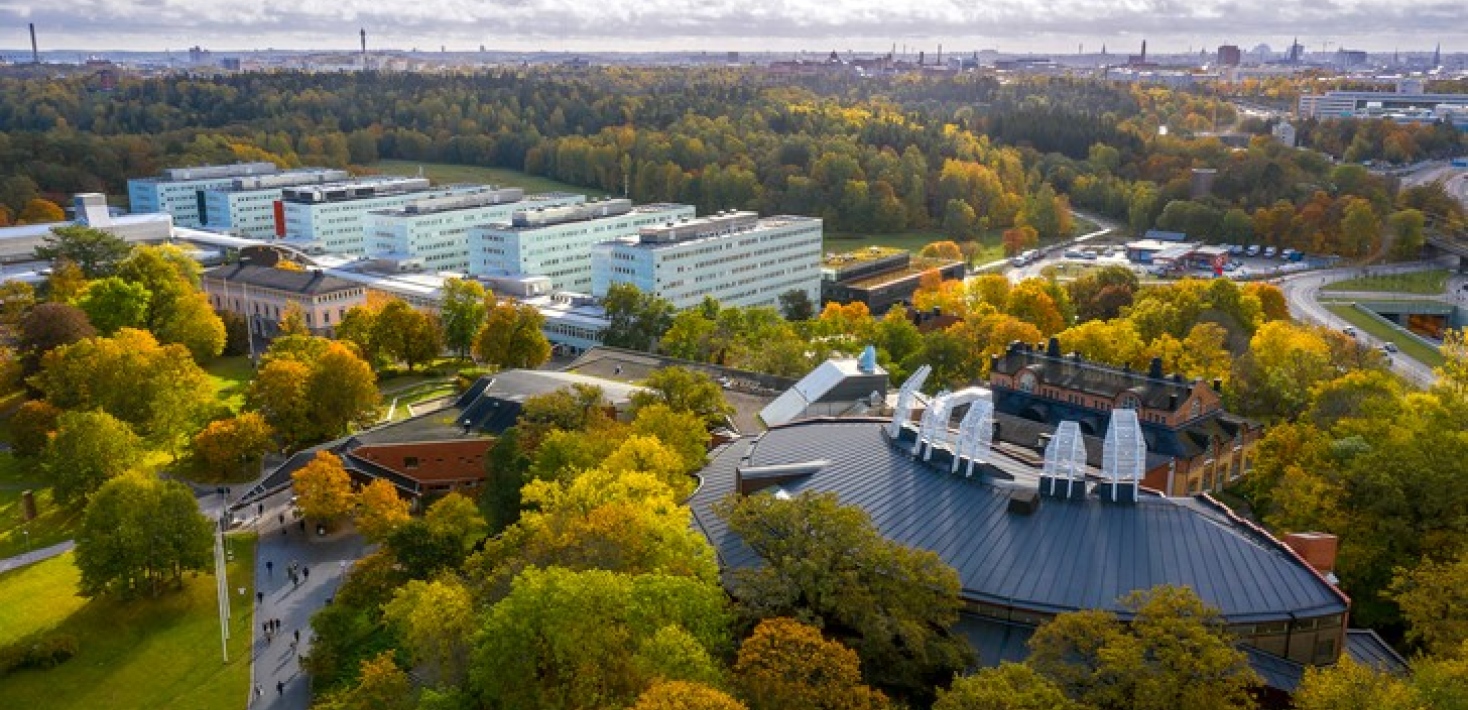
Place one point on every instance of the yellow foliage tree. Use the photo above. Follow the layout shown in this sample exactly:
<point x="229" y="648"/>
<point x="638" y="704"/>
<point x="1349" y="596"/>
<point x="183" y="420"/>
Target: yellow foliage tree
<point x="787" y="664"/>
<point x="323" y="488"/>
<point x="683" y="695"/>
<point x="380" y="510"/>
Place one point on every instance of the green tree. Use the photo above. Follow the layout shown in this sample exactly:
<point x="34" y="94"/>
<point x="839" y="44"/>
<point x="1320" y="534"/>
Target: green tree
<point x="191" y="322"/>
<point x="684" y="390"/>
<point x="512" y="338"/>
<point x="465" y="306"/>
<point x="795" y="305"/>
<point x="138" y="534"/>
<point x="1360" y="228"/>
<point x="564" y="639"/>
<point x="1350" y="686"/>
<point x="683" y="433"/>
<point x="959" y="220"/>
<point x="635" y="319"/>
<point x="405" y="334"/>
<point x="96" y="252"/>
<point x="1408" y="228"/>
<point x="88" y="449"/>
<point x="383" y="686"/>
<point x="1434" y="600"/>
<point x="436" y="621"/>
<point x="112" y="304"/>
<point x="895" y="604"/>
<point x="1173" y="654"/>
<point x="31" y="427"/>
<point x="787" y="664"/>
<point x="1010" y="686"/>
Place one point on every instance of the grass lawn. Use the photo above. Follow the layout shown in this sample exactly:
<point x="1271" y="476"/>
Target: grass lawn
<point x="1410" y="347"/>
<point x="231" y="376"/>
<point x="52" y="524"/>
<point x="145" y="653"/>
<point x="445" y="173"/>
<point x="1427" y="283"/>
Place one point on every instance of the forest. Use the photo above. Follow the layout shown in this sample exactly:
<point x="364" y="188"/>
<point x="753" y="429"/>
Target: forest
<point x="965" y="154"/>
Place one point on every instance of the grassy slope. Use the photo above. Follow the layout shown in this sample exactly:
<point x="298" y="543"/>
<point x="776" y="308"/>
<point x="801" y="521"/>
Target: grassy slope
<point x="231" y="375"/>
<point x="1410" y="347"/>
<point x="1427" y="283"/>
<point x="147" y="653"/>
<point x="444" y="173"/>
<point x="51" y="526"/>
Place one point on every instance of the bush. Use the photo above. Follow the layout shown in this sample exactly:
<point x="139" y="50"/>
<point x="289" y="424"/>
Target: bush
<point x="43" y="654"/>
<point x="469" y="375"/>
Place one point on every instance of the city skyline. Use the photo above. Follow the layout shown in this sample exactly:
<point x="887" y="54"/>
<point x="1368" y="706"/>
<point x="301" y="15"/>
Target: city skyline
<point x="1044" y="26"/>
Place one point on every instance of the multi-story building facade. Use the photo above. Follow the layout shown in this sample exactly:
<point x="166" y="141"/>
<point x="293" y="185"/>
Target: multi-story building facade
<point x="246" y="207"/>
<point x="328" y="219"/>
<point x="735" y="257"/>
<point x="432" y="233"/>
<point x="556" y="241"/>
<point x="262" y="294"/>
<point x="180" y="191"/>
<point x="1200" y="447"/>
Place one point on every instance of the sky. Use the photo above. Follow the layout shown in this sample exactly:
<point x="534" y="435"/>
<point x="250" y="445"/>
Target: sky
<point x="748" y="25"/>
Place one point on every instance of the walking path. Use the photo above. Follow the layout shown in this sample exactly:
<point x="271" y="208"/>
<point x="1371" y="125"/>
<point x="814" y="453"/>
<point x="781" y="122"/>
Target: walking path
<point x="324" y="562"/>
<point x="34" y="556"/>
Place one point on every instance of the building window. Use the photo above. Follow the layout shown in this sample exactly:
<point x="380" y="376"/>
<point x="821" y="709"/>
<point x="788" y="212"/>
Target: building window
<point x="1129" y="401"/>
<point x="1027" y="382"/>
<point x="410" y="462"/>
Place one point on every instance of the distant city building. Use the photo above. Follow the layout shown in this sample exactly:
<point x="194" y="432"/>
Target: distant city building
<point x="556" y="241"/>
<point x="1350" y="58"/>
<point x="262" y="295"/>
<point x="180" y="191"/>
<point x="879" y="277"/>
<point x="1230" y="55"/>
<point x="1353" y="104"/>
<point x="432" y="234"/>
<point x="18" y="244"/>
<point x="328" y="219"/>
<point x="734" y="257"/>
<point x="1284" y="132"/>
<point x="246" y="207"/>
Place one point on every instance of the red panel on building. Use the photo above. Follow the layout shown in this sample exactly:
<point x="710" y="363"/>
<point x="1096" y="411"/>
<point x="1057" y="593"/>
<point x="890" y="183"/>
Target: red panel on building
<point x="279" y="219"/>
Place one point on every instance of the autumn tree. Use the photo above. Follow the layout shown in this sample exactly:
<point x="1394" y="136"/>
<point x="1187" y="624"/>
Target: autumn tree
<point x="437" y="622"/>
<point x="323" y="488"/>
<point x="17" y="298"/>
<point x="1018" y="240"/>
<point x="512" y="338"/>
<point x="88" y="449"/>
<point x="382" y="686"/>
<point x="1434" y="600"/>
<point x="685" y="695"/>
<point x="1408" y="229"/>
<point x="293" y="320"/>
<point x="312" y="388"/>
<point x="40" y="211"/>
<point x="683" y="433"/>
<point x="138" y="534"/>
<point x="66" y="281"/>
<point x="465" y="306"/>
<point x="96" y="252"/>
<point x="896" y="602"/>
<point x="787" y="664"/>
<point x="31" y="427"/>
<point x="684" y="390"/>
<point x="440" y="540"/>
<point x="1348" y="685"/>
<point x="380" y="510"/>
<point x="591" y="639"/>
<point x="1010" y="686"/>
<point x="942" y="250"/>
<point x="233" y="445"/>
<point x="47" y="327"/>
<point x="1173" y="654"/>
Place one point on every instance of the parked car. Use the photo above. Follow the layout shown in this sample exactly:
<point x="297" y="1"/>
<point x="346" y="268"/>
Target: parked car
<point x="1088" y="255"/>
<point x="1236" y="250"/>
<point x="1389" y="347"/>
<point x="1269" y="252"/>
<point x="1074" y="254"/>
<point x="1349" y="330"/>
<point x="1252" y="251"/>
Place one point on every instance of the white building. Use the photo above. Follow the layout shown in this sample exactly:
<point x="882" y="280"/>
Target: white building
<point x="556" y="241"/>
<point x="328" y="219"/>
<point x="735" y="257"/>
<point x="247" y="207"/>
<point x="432" y="234"/>
<point x="179" y="191"/>
<point x="18" y="244"/>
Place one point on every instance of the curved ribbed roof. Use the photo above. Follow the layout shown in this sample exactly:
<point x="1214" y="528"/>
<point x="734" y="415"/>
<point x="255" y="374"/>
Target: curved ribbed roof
<point x="1067" y="555"/>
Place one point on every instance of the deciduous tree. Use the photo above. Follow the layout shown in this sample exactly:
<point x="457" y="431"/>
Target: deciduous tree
<point x="636" y="319"/>
<point x="49" y="326"/>
<point x="40" y="211"/>
<point x="112" y="304"/>
<point x="684" y="390"/>
<point x="512" y="338"/>
<point x="684" y="695"/>
<point x="1434" y="600"/>
<point x="323" y="488"/>
<point x="382" y="686"/>
<point x="380" y="510"/>
<point x="787" y="664"/>
<point x="31" y="427"/>
<point x="138" y="534"/>
<point x="231" y="445"/>
<point x="96" y="252"/>
<point x="87" y="450"/>
<point x="437" y="621"/>
<point x="1010" y="686"/>
<point x="465" y="306"/>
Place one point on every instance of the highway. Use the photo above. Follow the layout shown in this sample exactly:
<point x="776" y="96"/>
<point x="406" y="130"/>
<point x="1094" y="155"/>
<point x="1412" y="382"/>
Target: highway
<point x="1302" y="292"/>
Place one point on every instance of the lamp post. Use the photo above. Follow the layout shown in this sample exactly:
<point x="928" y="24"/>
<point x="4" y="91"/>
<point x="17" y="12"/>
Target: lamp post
<point x="27" y="533"/>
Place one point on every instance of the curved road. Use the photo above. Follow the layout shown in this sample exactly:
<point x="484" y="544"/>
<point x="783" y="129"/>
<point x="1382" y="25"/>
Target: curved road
<point x="1302" y="292"/>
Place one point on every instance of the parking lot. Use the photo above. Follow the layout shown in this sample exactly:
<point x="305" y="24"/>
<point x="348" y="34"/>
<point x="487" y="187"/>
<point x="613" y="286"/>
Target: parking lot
<point x="1240" y="265"/>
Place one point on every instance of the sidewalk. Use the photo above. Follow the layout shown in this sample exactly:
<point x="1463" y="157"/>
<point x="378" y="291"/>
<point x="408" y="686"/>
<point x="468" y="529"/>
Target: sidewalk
<point x="34" y="556"/>
<point x="322" y="558"/>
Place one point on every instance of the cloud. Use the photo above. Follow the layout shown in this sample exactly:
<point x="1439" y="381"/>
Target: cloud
<point x="735" y="24"/>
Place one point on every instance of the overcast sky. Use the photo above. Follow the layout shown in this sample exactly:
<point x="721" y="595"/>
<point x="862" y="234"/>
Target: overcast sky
<point x="750" y="25"/>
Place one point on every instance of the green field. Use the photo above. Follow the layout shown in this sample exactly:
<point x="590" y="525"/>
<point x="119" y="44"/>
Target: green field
<point x="1410" y="346"/>
<point x="231" y="376"/>
<point x="1427" y="283"/>
<point x="145" y="653"/>
<point x="444" y="173"/>
<point x="52" y="524"/>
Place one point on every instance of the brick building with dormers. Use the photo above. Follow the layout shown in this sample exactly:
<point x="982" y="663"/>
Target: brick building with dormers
<point x="1195" y="445"/>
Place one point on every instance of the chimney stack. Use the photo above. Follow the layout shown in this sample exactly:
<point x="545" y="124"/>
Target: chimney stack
<point x="1155" y="370"/>
<point x="35" y="53"/>
<point x="364" y="41"/>
<point x="1317" y="549"/>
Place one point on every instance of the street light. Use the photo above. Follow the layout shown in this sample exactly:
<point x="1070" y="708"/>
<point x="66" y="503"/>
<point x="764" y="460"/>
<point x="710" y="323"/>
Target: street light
<point x="27" y="533"/>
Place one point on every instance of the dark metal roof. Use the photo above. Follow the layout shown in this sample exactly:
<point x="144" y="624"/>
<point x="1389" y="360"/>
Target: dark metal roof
<point x="1276" y="672"/>
<point x="307" y="283"/>
<point x="1068" y="555"/>
<point x="1368" y="649"/>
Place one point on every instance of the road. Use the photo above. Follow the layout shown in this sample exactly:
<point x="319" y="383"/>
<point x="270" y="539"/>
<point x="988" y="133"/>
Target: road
<point x="1302" y="292"/>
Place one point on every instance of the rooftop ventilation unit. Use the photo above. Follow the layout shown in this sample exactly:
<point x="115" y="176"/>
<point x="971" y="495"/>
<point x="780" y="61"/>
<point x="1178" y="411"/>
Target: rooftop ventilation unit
<point x="903" y="411"/>
<point x="1065" y="460"/>
<point x="934" y="427"/>
<point x="1124" y="458"/>
<point x="975" y="435"/>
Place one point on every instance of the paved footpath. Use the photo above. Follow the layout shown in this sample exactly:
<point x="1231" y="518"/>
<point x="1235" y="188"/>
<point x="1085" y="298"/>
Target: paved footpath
<point x="34" y="556"/>
<point x="275" y="662"/>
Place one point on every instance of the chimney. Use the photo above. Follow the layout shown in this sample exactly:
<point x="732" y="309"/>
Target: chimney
<point x="1172" y="402"/>
<point x="364" y="41"/>
<point x="1318" y="549"/>
<point x="1054" y="348"/>
<point x="1154" y="371"/>
<point x="35" y="53"/>
<point x="1217" y="385"/>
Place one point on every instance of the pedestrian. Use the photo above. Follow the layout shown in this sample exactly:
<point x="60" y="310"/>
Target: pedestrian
<point x="306" y="572"/>
<point x="343" y="565"/>
<point x="293" y="645"/>
<point x="259" y="509"/>
<point x="258" y="691"/>
<point x="297" y="633"/>
<point x="265" y="627"/>
<point x="259" y="597"/>
<point x="302" y="525"/>
<point x="295" y="582"/>
<point x="270" y="568"/>
<point x="284" y="532"/>
<point x="280" y="687"/>
<point x="282" y="518"/>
